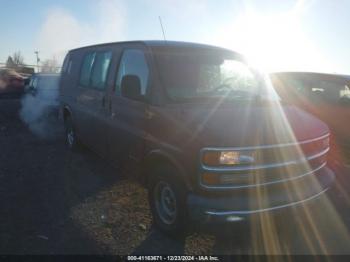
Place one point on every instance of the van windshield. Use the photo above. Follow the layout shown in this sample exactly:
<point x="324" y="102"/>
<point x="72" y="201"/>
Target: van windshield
<point x="190" y="74"/>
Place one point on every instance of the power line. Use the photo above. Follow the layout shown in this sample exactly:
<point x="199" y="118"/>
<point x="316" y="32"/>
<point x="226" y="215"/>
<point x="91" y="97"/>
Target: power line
<point x="26" y="65"/>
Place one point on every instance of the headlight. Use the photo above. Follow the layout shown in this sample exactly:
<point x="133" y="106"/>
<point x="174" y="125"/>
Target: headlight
<point x="217" y="158"/>
<point x="229" y="158"/>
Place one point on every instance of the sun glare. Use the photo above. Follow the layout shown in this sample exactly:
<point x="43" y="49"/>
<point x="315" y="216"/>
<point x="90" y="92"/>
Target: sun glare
<point x="273" y="42"/>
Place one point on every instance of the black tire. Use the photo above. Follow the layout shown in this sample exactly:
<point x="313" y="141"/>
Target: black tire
<point x="167" y="176"/>
<point x="70" y="135"/>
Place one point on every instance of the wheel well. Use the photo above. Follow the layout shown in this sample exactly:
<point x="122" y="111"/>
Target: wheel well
<point x="66" y="114"/>
<point x="158" y="160"/>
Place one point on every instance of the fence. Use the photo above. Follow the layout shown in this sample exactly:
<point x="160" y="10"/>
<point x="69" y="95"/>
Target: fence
<point x="30" y="69"/>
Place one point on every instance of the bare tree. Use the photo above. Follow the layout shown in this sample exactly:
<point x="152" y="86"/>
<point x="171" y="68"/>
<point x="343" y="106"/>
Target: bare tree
<point x="18" y="59"/>
<point x="50" y="66"/>
<point x="10" y="63"/>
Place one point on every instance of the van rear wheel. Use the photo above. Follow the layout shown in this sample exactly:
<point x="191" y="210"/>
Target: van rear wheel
<point x="70" y="135"/>
<point x="167" y="198"/>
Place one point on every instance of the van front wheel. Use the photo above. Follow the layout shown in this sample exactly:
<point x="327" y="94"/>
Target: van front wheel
<point x="167" y="197"/>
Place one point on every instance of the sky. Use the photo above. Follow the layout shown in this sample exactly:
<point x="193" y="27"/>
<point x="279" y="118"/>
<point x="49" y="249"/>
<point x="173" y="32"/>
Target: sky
<point x="288" y="35"/>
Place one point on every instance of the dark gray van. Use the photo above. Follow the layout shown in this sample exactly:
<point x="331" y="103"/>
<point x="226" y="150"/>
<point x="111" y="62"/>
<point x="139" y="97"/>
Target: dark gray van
<point x="212" y="140"/>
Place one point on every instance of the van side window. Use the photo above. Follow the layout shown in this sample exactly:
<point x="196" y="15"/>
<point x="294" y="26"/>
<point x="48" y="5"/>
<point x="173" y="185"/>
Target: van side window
<point x="69" y="67"/>
<point x="86" y="69"/>
<point x="66" y="69"/>
<point x="67" y="64"/>
<point x="100" y="70"/>
<point x="133" y="62"/>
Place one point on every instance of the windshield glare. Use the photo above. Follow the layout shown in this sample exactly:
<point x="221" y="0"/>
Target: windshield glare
<point x="207" y="74"/>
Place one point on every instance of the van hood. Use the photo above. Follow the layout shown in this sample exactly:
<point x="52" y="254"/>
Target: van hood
<point x="229" y="126"/>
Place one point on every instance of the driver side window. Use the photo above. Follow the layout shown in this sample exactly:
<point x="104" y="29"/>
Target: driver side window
<point x="133" y="62"/>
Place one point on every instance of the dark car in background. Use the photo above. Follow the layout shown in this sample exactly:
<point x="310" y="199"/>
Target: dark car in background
<point x="326" y="96"/>
<point x="47" y="82"/>
<point x="41" y="97"/>
<point x="210" y="138"/>
<point x="43" y="88"/>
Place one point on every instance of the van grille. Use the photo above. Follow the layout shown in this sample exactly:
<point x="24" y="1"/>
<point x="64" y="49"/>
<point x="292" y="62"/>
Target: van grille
<point x="274" y="163"/>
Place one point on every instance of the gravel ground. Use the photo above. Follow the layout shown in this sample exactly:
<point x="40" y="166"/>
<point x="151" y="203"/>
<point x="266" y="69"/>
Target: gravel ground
<point x="57" y="202"/>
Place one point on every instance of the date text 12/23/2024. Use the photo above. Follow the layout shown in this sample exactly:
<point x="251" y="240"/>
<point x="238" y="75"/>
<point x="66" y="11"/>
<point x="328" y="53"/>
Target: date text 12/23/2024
<point x="172" y="258"/>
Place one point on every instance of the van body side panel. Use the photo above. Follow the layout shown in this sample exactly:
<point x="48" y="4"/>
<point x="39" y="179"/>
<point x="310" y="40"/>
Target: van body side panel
<point x="72" y="94"/>
<point x="127" y="130"/>
<point x="167" y="131"/>
<point x="68" y="88"/>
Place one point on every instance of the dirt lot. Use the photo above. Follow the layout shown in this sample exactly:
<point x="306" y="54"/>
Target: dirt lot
<point x="57" y="202"/>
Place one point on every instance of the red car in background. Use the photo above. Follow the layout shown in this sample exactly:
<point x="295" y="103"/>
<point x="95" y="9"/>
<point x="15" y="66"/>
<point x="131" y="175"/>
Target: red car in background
<point x="11" y="83"/>
<point x="326" y="96"/>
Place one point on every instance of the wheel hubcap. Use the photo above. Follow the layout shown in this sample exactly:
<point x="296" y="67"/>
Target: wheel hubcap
<point x="70" y="137"/>
<point x="165" y="202"/>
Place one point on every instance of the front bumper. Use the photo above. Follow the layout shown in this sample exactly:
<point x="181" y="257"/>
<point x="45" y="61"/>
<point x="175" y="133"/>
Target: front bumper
<point x="241" y="204"/>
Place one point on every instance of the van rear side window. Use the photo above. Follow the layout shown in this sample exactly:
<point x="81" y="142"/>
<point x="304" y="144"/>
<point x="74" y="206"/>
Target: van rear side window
<point x="100" y="70"/>
<point x="86" y="69"/>
<point x="67" y="64"/>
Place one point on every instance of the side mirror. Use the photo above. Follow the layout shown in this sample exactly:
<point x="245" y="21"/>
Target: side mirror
<point x="131" y="87"/>
<point x="344" y="101"/>
<point x="33" y="90"/>
<point x="28" y="88"/>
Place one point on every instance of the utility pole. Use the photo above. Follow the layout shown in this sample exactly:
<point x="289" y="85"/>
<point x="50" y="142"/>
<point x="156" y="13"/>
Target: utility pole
<point x="37" y="60"/>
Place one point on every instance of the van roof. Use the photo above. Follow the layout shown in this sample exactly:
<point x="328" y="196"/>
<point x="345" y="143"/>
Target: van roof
<point x="154" y="43"/>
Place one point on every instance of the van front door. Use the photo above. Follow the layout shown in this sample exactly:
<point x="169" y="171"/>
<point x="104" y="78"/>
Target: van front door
<point x="127" y="116"/>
